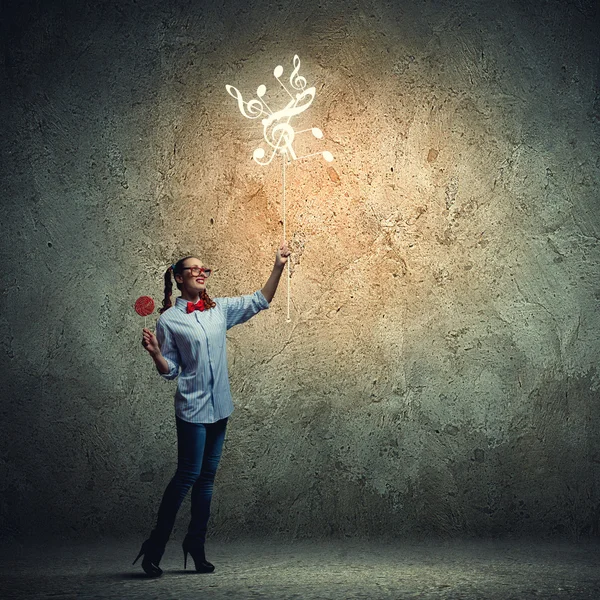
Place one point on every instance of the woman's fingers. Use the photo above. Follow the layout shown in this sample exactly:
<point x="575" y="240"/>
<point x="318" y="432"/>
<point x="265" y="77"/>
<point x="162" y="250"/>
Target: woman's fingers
<point x="148" y="339"/>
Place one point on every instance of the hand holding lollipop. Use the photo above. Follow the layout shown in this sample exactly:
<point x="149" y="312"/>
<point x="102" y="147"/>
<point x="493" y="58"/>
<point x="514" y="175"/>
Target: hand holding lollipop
<point x="150" y="342"/>
<point x="144" y="306"/>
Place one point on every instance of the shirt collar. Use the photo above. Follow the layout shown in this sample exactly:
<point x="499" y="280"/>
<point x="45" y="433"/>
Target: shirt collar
<point x="181" y="304"/>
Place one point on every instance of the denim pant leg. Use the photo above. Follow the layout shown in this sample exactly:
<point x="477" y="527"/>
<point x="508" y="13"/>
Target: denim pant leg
<point x="203" y="488"/>
<point x="191" y="440"/>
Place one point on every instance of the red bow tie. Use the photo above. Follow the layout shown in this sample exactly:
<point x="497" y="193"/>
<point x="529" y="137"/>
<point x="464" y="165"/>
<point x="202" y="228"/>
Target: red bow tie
<point x="191" y="307"/>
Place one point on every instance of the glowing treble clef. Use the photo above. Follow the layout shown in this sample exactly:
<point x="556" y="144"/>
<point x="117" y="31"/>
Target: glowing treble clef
<point x="280" y="138"/>
<point x="297" y="81"/>
<point x="282" y="134"/>
<point x="255" y="107"/>
<point x="277" y="131"/>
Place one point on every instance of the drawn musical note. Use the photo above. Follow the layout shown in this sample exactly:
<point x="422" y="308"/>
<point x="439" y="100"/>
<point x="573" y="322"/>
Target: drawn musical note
<point x="277" y="131"/>
<point x="296" y="81"/>
<point x="278" y="134"/>
<point x="255" y="107"/>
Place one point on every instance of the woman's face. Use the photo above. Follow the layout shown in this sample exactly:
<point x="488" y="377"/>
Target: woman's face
<point x="192" y="281"/>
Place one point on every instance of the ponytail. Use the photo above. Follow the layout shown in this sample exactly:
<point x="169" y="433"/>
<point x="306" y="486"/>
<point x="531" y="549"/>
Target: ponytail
<point x="208" y="303"/>
<point x="168" y="290"/>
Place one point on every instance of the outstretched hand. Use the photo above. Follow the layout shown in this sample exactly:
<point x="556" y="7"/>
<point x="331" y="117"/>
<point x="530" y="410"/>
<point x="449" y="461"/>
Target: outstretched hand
<point x="282" y="255"/>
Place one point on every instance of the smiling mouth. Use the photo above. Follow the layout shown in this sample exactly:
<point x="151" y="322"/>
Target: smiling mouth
<point x="200" y="280"/>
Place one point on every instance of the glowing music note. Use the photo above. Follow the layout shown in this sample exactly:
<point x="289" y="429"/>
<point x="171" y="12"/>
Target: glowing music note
<point x="277" y="131"/>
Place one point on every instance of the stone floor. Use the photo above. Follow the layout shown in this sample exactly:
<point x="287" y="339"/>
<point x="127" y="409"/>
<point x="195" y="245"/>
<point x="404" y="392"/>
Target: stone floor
<point x="336" y="569"/>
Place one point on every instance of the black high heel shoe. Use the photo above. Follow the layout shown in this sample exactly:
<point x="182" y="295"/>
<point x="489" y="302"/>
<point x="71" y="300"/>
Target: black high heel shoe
<point x="151" y="559"/>
<point x="197" y="552"/>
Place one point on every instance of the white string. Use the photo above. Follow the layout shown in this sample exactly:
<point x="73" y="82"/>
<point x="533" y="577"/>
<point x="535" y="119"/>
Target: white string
<point x="283" y="158"/>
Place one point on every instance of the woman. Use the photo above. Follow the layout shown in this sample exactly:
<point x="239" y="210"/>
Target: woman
<point x="191" y="335"/>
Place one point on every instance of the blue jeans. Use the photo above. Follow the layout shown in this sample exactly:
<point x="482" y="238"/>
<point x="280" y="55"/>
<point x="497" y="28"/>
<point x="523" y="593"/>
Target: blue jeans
<point x="199" y="447"/>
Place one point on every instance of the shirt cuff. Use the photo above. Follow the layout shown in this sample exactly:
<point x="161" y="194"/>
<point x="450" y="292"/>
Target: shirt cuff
<point x="262" y="301"/>
<point x="173" y="371"/>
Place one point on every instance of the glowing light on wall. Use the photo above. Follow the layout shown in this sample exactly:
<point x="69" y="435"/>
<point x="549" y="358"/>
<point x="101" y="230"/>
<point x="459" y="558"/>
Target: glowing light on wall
<point x="278" y="134"/>
<point x="277" y="131"/>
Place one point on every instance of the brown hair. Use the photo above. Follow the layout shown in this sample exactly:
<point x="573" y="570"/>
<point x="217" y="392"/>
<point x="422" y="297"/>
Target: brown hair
<point x="177" y="269"/>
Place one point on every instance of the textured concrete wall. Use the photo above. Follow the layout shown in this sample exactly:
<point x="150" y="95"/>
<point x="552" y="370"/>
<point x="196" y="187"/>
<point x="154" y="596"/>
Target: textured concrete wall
<point x="439" y="374"/>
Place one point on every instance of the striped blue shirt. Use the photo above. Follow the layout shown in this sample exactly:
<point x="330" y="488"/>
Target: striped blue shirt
<point x="195" y="343"/>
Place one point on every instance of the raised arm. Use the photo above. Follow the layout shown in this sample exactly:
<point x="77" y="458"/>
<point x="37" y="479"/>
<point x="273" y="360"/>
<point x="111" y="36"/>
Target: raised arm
<point x="270" y="287"/>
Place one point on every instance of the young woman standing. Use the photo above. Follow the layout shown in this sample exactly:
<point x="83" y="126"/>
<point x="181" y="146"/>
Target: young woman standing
<point x="191" y="336"/>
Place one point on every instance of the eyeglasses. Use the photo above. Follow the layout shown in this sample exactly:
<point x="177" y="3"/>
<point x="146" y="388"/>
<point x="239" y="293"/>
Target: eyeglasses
<point x="195" y="271"/>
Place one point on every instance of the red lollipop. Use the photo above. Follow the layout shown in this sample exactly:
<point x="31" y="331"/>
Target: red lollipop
<point x="144" y="306"/>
